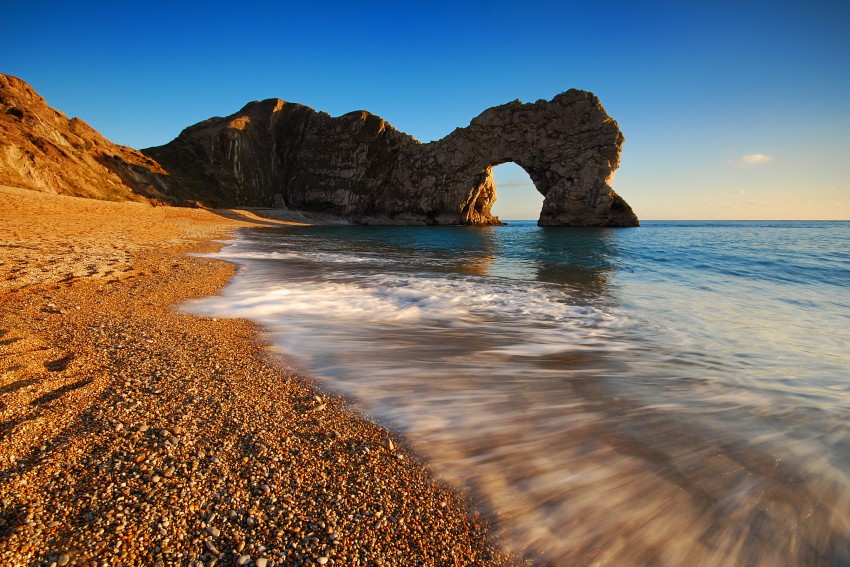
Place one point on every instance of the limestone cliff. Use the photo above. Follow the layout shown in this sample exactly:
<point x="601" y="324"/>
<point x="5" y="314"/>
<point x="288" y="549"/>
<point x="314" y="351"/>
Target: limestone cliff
<point x="41" y="149"/>
<point x="359" y="167"/>
<point x="311" y="161"/>
<point x="355" y="166"/>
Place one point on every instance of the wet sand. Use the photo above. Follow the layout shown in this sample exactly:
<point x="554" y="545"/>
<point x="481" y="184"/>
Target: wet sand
<point x="132" y="434"/>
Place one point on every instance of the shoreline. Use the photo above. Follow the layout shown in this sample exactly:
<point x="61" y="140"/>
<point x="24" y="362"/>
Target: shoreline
<point x="135" y="434"/>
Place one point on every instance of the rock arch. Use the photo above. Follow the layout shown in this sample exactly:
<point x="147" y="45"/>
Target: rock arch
<point x="568" y="146"/>
<point x="359" y="167"/>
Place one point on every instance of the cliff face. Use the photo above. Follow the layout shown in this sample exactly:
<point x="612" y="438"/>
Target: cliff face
<point x="274" y="152"/>
<point x="359" y="167"/>
<point x="41" y="149"/>
<point x="356" y="166"/>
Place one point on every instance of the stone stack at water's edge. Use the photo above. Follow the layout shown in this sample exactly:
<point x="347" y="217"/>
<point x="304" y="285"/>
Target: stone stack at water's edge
<point x="355" y="167"/>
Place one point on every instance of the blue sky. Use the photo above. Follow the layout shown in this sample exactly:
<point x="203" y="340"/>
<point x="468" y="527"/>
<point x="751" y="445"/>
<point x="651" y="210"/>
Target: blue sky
<point x="695" y="86"/>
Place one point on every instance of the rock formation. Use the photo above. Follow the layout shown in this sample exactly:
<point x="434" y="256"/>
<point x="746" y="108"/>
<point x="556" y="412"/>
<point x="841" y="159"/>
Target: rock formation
<point x="356" y="166"/>
<point x="359" y="167"/>
<point x="41" y="149"/>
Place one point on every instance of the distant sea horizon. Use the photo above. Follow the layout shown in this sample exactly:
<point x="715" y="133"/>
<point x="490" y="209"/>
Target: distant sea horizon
<point x="674" y="393"/>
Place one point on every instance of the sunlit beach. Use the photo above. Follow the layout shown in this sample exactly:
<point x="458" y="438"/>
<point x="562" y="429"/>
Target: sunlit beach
<point x="548" y="285"/>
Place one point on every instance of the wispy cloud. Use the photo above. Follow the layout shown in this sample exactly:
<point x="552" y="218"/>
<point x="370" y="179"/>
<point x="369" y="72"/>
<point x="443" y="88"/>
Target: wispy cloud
<point x="752" y="159"/>
<point x="515" y="184"/>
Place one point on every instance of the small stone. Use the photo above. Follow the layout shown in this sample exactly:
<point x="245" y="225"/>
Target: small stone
<point x="262" y="562"/>
<point x="322" y="560"/>
<point x="214" y="531"/>
<point x="155" y="478"/>
<point x="63" y="560"/>
<point x="211" y="546"/>
<point x="243" y="560"/>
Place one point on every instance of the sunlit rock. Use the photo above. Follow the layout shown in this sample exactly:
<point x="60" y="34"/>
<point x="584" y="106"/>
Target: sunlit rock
<point x="359" y="167"/>
<point x="356" y="166"/>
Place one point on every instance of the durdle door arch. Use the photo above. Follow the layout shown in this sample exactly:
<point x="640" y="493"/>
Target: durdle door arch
<point x="569" y="147"/>
<point x="357" y="166"/>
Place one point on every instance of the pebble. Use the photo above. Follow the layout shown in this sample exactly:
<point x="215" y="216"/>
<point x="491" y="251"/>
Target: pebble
<point x="163" y="495"/>
<point x="63" y="560"/>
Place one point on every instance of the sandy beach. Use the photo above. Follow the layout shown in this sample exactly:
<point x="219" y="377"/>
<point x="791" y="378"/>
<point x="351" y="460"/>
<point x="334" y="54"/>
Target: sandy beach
<point x="132" y="434"/>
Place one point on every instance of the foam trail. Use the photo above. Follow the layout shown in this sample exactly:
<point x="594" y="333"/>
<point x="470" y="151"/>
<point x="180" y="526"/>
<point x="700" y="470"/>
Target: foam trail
<point x="603" y="415"/>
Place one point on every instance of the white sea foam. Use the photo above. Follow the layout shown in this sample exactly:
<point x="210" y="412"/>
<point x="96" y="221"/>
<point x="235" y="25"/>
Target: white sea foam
<point x="632" y="431"/>
<point x="393" y="298"/>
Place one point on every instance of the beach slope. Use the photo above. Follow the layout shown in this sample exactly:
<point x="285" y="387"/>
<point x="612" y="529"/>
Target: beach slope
<point x="132" y="434"/>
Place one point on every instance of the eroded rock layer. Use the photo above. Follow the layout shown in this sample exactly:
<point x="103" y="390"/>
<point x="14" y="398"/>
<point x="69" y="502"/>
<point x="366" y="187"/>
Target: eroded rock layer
<point x="359" y="167"/>
<point x="42" y="149"/>
<point x="356" y="166"/>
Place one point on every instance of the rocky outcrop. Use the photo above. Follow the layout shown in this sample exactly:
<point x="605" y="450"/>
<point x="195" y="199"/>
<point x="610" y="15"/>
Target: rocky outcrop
<point x="356" y="166"/>
<point x="41" y="149"/>
<point x="569" y="146"/>
<point x="273" y="152"/>
<point x="359" y="167"/>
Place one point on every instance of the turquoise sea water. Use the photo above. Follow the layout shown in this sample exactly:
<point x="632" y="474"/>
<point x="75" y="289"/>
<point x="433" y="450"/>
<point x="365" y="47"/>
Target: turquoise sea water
<point x="673" y="394"/>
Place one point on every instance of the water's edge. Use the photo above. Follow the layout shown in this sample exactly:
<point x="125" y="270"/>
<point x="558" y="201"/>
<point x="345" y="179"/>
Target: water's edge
<point x="657" y="396"/>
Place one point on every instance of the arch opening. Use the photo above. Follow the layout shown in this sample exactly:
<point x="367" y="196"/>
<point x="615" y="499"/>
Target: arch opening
<point x="517" y="198"/>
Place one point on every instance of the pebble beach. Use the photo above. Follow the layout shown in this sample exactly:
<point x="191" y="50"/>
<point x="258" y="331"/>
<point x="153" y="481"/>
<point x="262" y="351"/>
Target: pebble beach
<point x="134" y="434"/>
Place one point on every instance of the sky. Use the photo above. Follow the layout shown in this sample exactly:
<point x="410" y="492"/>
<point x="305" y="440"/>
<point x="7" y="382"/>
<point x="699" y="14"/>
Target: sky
<point x="730" y="110"/>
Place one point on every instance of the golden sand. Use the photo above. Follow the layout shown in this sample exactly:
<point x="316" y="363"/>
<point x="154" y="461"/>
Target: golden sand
<point x="131" y="434"/>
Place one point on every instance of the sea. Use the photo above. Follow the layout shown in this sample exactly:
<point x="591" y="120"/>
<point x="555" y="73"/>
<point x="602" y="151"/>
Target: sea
<point x="671" y="394"/>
